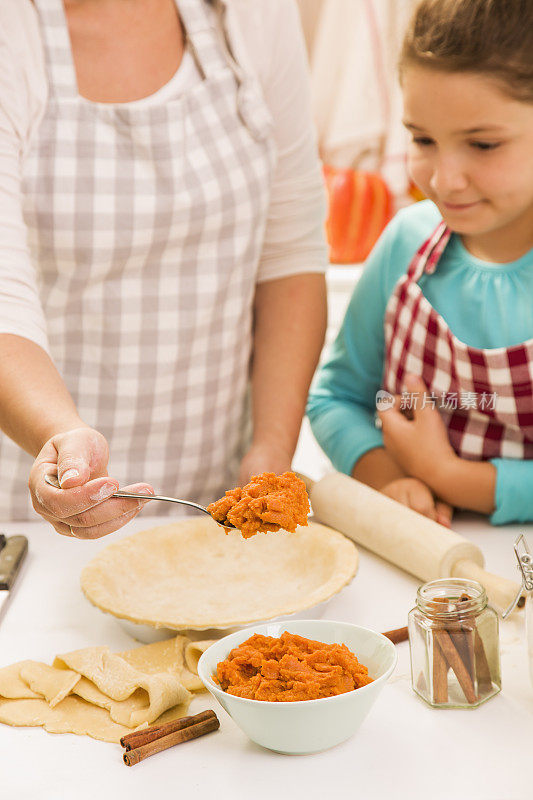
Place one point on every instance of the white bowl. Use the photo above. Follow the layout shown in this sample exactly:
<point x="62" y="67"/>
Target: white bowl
<point x="306" y="726"/>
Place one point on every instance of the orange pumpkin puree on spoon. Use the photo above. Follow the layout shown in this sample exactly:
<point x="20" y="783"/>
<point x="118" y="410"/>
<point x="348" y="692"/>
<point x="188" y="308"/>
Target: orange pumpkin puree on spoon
<point x="269" y="502"/>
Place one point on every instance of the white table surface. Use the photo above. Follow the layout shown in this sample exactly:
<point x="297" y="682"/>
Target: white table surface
<point x="403" y="750"/>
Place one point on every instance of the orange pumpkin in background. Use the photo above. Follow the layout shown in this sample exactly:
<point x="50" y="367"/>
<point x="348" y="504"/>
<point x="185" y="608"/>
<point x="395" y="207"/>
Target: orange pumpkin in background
<point x="415" y="193"/>
<point x="360" y="205"/>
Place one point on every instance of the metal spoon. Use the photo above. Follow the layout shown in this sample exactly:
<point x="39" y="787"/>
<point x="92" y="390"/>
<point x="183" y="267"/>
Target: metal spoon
<point x="53" y="481"/>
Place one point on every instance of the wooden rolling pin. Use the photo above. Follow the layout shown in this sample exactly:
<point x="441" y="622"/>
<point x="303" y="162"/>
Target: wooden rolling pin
<point x="402" y="536"/>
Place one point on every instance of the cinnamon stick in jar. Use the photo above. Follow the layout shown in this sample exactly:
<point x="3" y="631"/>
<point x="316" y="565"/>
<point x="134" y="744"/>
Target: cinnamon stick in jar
<point x="484" y="677"/>
<point x="450" y="632"/>
<point x="439" y="675"/>
<point x="451" y="654"/>
<point x="453" y="642"/>
<point x="462" y="634"/>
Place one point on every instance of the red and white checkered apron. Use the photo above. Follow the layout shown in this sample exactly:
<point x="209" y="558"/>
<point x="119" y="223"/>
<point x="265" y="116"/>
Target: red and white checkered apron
<point x="485" y="397"/>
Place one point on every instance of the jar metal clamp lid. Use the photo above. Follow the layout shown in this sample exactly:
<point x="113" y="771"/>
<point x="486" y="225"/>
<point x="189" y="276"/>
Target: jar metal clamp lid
<point x="525" y="565"/>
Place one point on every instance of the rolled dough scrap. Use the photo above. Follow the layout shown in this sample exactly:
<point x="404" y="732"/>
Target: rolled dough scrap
<point x="172" y="652"/>
<point x="192" y="575"/>
<point x="111" y="682"/>
<point x="194" y="650"/>
<point x="11" y="684"/>
<point x="164" y="656"/>
<point x="52" y="684"/>
<point x="72" y="715"/>
<point x="98" y="693"/>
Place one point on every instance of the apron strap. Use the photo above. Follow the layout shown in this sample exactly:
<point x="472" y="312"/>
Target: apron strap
<point x="57" y="48"/>
<point x="205" y="34"/>
<point x="428" y="255"/>
<point x="210" y="45"/>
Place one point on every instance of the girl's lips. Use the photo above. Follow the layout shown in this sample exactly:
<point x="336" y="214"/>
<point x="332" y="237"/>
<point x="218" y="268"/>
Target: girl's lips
<point x="460" y="206"/>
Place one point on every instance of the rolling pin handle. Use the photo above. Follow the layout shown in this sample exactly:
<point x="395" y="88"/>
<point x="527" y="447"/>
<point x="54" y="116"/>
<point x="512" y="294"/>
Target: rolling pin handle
<point x="309" y="482"/>
<point x="500" y="591"/>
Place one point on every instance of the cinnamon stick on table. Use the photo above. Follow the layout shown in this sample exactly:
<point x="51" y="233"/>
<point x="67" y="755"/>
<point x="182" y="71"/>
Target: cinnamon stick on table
<point x="147" y="735"/>
<point x="137" y="754"/>
<point x="397" y="635"/>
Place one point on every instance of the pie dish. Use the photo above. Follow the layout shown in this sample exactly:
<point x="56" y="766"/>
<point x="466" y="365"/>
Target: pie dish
<point x="191" y="575"/>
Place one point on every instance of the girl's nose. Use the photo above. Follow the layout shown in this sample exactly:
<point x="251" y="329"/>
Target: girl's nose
<point x="448" y="177"/>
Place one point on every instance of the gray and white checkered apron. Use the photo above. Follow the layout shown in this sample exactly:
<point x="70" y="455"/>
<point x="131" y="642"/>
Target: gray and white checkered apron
<point x="146" y="225"/>
<point x="485" y="397"/>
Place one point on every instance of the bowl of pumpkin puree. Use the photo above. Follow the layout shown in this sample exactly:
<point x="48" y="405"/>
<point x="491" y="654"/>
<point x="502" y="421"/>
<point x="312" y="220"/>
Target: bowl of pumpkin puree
<point x="298" y="687"/>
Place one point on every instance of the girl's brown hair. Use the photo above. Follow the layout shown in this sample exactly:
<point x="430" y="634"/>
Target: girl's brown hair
<point x="490" y="37"/>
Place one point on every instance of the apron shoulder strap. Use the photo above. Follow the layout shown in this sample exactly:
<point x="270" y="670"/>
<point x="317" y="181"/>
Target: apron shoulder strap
<point x="57" y="48"/>
<point x="209" y="37"/>
<point x="427" y="256"/>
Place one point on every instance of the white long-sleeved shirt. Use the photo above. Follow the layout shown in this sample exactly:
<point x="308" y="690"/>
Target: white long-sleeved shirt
<point x="267" y="39"/>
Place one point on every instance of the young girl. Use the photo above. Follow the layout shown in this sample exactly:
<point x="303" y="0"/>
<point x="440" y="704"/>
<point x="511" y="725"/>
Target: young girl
<point x="441" y="322"/>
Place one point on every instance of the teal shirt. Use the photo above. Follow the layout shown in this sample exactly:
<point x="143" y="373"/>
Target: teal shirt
<point x="485" y="305"/>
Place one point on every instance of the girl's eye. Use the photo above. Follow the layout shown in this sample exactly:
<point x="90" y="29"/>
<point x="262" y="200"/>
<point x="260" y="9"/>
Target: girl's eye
<point x="422" y="141"/>
<point x="485" y="145"/>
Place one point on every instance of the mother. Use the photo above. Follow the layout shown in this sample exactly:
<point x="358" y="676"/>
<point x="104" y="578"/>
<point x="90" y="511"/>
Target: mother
<point x="161" y="243"/>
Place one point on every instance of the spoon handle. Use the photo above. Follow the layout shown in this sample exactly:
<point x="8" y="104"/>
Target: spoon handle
<point x="53" y="481"/>
<point x="122" y="493"/>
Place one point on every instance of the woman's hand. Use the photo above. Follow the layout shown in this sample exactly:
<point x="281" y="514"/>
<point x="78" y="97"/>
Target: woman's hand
<point x="82" y="507"/>
<point x="414" y="494"/>
<point x="419" y="445"/>
<point x="263" y="458"/>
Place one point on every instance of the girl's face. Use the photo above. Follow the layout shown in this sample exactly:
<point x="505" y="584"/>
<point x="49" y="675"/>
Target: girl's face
<point x="472" y="154"/>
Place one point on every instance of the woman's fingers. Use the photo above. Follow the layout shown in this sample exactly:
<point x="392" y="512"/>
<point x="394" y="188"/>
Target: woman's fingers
<point x="91" y="506"/>
<point x="111" y="509"/>
<point x="62" y="503"/>
<point x="104" y="528"/>
<point x="81" y="454"/>
<point x="88" y="511"/>
<point x="95" y="531"/>
<point x="83" y="507"/>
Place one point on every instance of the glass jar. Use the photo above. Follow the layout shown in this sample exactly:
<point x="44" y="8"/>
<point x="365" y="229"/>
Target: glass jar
<point x="453" y="639"/>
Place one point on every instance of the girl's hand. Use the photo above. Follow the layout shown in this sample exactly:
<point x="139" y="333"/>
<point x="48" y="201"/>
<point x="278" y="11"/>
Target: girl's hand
<point x="414" y="494"/>
<point x="419" y="445"/>
<point x="263" y="458"/>
<point x="82" y="507"/>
